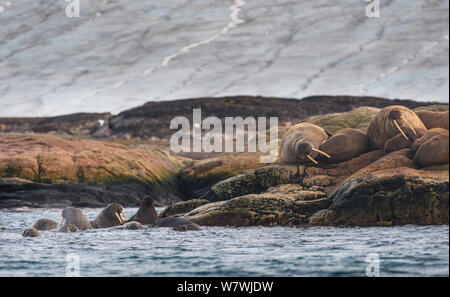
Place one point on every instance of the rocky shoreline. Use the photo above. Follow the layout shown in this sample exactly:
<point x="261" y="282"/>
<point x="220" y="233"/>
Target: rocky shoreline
<point x="55" y="162"/>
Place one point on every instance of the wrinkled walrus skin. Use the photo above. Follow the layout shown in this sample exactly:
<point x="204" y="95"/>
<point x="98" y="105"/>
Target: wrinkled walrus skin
<point x="434" y="151"/>
<point x="391" y="121"/>
<point x="434" y="119"/>
<point x="345" y="144"/>
<point x="299" y="141"/>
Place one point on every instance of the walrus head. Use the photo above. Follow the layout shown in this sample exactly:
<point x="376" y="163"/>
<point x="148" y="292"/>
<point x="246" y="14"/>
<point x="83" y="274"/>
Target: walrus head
<point x="110" y="216"/>
<point x="146" y="213"/>
<point x="305" y="151"/>
<point x="75" y="216"/>
<point x="402" y="125"/>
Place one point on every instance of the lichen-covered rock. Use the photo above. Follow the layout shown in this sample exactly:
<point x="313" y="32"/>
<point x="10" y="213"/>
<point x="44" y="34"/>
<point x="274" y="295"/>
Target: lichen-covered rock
<point x="43" y="170"/>
<point x="259" y="180"/>
<point x="180" y="208"/>
<point x="282" y="205"/>
<point x="389" y="197"/>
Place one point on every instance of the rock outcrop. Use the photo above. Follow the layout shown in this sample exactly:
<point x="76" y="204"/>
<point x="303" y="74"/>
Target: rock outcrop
<point x="43" y="170"/>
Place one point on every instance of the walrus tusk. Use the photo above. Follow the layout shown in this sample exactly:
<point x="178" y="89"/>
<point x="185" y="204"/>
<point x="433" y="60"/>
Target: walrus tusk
<point x="400" y="129"/>
<point x="410" y="126"/>
<point x="323" y="153"/>
<point x="119" y="218"/>
<point x="309" y="157"/>
<point x="60" y="224"/>
<point x="124" y="215"/>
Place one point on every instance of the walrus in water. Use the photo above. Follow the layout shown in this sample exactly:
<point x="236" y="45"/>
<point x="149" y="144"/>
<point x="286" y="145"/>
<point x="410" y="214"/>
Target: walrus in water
<point x="75" y="216"/>
<point x="434" y="151"/>
<point x="391" y="121"/>
<point x="146" y="213"/>
<point x="434" y="119"/>
<point x="68" y="228"/>
<point x="45" y="224"/>
<point x="345" y="144"/>
<point x="31" y="232"/>
<point x="110" y="216"/>
<point x="301" y="142"/>
<point x="133" y="226"/>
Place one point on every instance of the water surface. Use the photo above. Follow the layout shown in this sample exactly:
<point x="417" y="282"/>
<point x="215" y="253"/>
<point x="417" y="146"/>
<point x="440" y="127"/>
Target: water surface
<point x="221" y="251"/>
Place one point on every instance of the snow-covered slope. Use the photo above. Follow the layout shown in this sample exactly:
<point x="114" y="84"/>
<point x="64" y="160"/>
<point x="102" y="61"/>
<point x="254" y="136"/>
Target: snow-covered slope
<point x="122" y="53"/>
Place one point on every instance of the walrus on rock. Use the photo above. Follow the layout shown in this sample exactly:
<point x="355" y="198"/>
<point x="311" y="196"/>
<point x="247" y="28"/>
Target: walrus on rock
<point x="434" y="119"/>
<point x="392" y="121"/>
<point x="345" y="144"/>
<point x="300" y="144"/>
<point x="432" y="148"/>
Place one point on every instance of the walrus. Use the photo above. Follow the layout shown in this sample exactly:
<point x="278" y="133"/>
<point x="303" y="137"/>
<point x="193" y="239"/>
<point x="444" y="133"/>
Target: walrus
<point x="68" y="228"/>
<point x="391" y="121"/>
<point x="110" y="216"/>
<point x="75" y="216"/>
<point x="45" y="224"/>
<point x="434" y="119"/>
<point x="345" y="145"/>
<point x="146" y="213"/>
<point x="31" y="232"/>
<point x="133" y="226"/>
<point x="396" y="143"/>
<point x="428" y="135"/>
<point x="300" y="144"/>
<point x="434" y="151"/>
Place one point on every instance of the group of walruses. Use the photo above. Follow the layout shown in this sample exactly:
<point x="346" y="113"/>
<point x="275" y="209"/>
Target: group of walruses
<point x="111" y="216"/>
<point x="393" y="128"/>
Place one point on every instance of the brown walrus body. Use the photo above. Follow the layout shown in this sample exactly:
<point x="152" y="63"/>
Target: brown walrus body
<point x="345" y="145"/>
<point x="146" y="213"/>
<point x="76" y="217"/>
<point x="300" y="143"/>
<point x="391" y="121"/>
<point x="434" y="151"/>
<point x="31" y="232"/>
<point x="434" y="119"/>
<point x="427" y="136"/>
<point x="110" y="216"/>
<point x="45" y="224"/>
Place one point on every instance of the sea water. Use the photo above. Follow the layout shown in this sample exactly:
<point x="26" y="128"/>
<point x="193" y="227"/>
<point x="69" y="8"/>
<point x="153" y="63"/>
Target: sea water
<point x="220" y="251"/>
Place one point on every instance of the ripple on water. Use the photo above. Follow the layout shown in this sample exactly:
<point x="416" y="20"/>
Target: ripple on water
<point x="222" y="251"/>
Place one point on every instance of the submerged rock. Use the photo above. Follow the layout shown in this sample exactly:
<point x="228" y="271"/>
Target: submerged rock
<point x="182" y="207"/>
<point x="284" y="205"/>
<point x="133" y="226"/>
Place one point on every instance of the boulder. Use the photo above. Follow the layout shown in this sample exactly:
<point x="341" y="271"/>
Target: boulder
<point x="180" y="208"/>
<point x="389" y="197"/>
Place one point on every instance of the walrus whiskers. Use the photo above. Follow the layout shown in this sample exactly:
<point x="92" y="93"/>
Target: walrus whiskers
<point x="400" y="129"/>
<point x="323" y="153"/>
<point x="314" y="161"/>
<point x="410" y="126"/>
